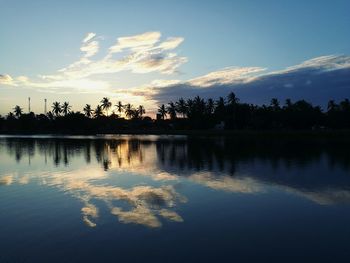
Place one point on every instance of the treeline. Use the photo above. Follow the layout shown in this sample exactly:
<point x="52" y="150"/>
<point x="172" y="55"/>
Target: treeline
<point x="195" y="113"/>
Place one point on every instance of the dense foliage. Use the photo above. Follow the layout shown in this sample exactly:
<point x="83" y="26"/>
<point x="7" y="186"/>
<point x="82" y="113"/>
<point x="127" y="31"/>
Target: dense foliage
<point x="197" y="113"/>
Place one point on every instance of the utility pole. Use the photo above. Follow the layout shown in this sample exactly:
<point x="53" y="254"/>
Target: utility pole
<point x="29" y="104"/>
<point x="45" y="109"/>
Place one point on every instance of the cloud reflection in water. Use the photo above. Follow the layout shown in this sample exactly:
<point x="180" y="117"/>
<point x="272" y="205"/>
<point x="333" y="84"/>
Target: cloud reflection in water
<point x="86" y="169"/>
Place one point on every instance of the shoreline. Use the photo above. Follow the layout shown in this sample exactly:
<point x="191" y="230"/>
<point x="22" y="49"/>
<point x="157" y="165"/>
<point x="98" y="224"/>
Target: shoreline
<point x="267" y="134"/>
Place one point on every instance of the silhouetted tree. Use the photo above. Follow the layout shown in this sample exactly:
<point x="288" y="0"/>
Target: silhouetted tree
<point x="232" y="99"/>
<point x="88" y="110"/>
<point x="120" y="107"/>
<point x="171" y="110"/>
<point x="210" y="107"/>
<point x="106" y="104"/>
<point x="162" y="111"/>
<point x="66" y="108"/>
<point x="220" y="109"/>
<point x="197" y="113"/>
<point x="141" y="110"/>
<point x="56" y="108"/>
<point x="181" y="107"/>
<point x="18" y="111"/>
<point x="98" y="112"/>
<point x="275" y="104"/>
<point x="129" y="111"/>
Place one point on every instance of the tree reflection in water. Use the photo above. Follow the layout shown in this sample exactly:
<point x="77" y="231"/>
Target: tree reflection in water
<point x="303" y="167"/>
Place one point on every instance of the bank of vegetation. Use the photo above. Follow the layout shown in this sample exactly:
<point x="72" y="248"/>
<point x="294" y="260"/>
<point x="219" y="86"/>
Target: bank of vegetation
<point x="195" y="114"/>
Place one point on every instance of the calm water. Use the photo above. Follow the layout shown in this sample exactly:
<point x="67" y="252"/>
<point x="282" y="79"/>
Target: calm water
<point x="173" y="199"/>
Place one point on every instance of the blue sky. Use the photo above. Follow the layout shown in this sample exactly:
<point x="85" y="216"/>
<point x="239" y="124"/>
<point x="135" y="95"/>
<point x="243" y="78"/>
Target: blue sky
<point x="38" y="38"/>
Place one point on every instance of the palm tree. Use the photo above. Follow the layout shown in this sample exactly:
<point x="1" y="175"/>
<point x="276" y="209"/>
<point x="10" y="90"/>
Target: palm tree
<point x="345" y="105"/>
<point x="106" y="104"/>
<point x="232" y="99"/>
<point x="162" y="111"/>
<point x="288" y="103"/>
<point x="129" y="110"/>
<point x="56" y="108"/>
<point x="141" y="110"/>
<point x="120" y="107"/>
<point x="181" y="107"/>
<point x="332" y="105"/>
<point x="189" y="108"/>
<point x="88" y="110"/>
<point x="171" y="109"/>
<point x="210" y="106"/>
<point x="199" y="104"/>
<point x="98" y="111"/>
<point x="135" y="114"/>
<point x="275" y="104"/>
<point x="18" y="111"/>
<point x="66" y="108"/>
<point x="220" y="108"/>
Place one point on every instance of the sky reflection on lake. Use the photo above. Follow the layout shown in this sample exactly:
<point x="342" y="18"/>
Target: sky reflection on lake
<point x="174" y="183"/>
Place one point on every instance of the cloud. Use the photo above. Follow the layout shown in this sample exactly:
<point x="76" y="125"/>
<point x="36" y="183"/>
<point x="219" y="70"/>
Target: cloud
<point x="6" y="79"/>
<point x="143" y="53"/>
<point x="90" y="49"/>
<point x="139" y="215"/>
<point x="244" y="184"/>
<point x="316" y="80"/>
<point x="225" y="76"/>
<point x="323" y="197"/>
<point x="89" y="211"/>
<point x="88" y="37"/>
<point x="136" y="43"/>
<point x="6" y="180"/>
<point x="146" y="203"/>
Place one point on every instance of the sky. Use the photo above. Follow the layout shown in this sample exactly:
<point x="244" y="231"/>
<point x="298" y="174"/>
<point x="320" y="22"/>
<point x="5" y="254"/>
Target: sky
<point x="151" y="52"/>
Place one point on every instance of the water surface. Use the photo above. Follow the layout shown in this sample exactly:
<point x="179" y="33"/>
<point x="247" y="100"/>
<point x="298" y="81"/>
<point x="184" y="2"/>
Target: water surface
<point x="173" y="199"/>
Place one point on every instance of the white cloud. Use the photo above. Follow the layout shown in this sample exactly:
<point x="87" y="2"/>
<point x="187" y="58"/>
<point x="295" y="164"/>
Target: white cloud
<point x="6" y="80"/>
<point x="225" y="76"/>
<point x="143" y="53"/>
<point x="90" y="48"/>
<point x="171" y="43"/>
<point x="88" y="37"/>
<point x="137" y="42"/>
<point x="6" y="180"/>
<point x="323" y="63"/>
<point x="316" y="80"/>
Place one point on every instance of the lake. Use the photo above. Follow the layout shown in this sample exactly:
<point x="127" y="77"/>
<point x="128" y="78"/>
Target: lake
<point x="173" y="199"/>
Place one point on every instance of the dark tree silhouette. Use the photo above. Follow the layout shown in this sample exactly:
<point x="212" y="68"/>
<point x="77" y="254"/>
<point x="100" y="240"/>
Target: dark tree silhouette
<point x="56" y="108"/>
<point x="141" y="110"/>
<point x="106" y="104"/>
<point x="66" y="108"/>
<point x="129" y="111"/>
<point x="98" y="112"/>
<point x="162" y="111"/>
<point x="120" y="107"/>
<point x="18" y="111"/>
<point x="195" y="113"/>
<point x="171" y="110"/>
<point x="181" y="107"/>
<point x="88" y="110"/>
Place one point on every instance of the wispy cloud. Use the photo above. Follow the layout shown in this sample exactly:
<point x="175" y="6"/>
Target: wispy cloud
<point x="143" y="53"/>
<point x="88" y="37"/>
<point x="138" y="42"/>
<point x="317" y="80"/>
<point x="225" y="76"/>
<point x="6" y="79"/>
<point x="90" y="48"/>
